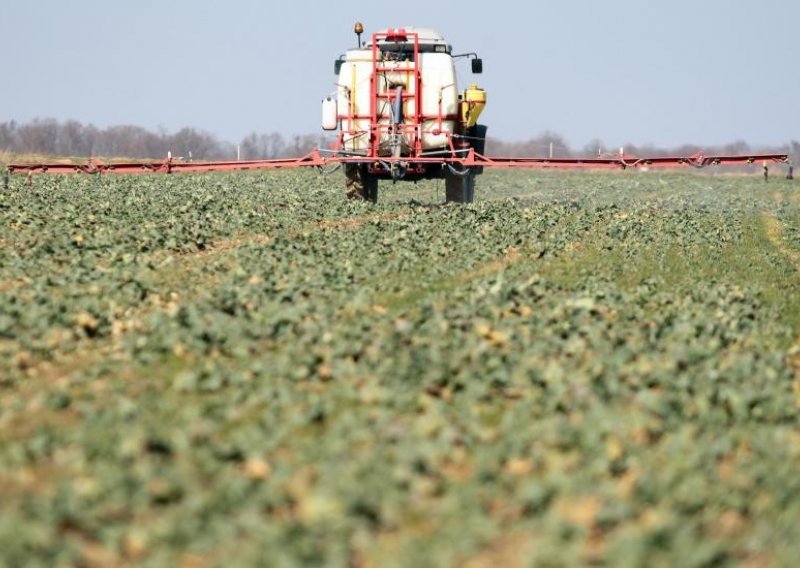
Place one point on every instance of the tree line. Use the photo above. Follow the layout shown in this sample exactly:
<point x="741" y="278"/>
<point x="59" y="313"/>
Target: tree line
<point x="541" y="146"/>
<point x="49" y="136"/>
<point x="52" y="137"/>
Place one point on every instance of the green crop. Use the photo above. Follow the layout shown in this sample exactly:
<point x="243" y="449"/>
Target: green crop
<point x="246" y="369"/>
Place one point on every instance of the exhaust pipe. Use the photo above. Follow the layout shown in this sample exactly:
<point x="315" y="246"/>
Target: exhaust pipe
<point x="398" y="170"/>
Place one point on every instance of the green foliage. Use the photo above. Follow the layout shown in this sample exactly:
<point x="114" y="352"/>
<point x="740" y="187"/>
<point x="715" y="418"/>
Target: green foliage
<point x="247" y="368"/>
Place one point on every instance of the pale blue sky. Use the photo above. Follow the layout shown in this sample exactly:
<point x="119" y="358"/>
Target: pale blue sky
<point x="624" y="71"/>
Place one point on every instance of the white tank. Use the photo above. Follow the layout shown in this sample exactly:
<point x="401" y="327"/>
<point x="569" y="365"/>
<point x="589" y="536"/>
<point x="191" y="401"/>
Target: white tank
<point x="330" y="120"/>
<point x="353" y="98"/>
<point x="438" y="80"/>
<point x="439" y="93"/>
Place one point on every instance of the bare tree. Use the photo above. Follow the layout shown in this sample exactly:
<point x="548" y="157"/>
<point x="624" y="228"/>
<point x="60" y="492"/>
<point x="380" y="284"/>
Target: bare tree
<point x="538" y="146"/>
<point x="274" y="145"/>
<point x="201" y="145"/>
<point x="251" y="147"/>
<point x="8" y="136"/>
<point x="735" y="148"/>
<point x="38" y="136"/>
<point x="74" y="139"/>
<point x="594" y="147"/>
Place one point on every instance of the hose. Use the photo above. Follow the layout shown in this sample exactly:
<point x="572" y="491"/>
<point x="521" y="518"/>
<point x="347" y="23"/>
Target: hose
<point x="329" y="171"/>
<point x="468" y="137"/>
<point x="463" y="173"/>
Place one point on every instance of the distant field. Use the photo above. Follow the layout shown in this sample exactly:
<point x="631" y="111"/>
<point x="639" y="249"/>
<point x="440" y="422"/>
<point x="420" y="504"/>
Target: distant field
<point x="14" y="158"/>
<point x="11" y="158"/>
<point x="246" y="369"/>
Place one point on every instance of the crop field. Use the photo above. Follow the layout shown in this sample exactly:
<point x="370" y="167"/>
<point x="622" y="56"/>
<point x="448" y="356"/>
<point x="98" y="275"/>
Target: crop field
<point x="578" y="369"/>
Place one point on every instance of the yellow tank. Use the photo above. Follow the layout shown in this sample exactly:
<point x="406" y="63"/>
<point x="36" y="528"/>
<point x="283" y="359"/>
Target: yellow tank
<point x="472" y="103"/>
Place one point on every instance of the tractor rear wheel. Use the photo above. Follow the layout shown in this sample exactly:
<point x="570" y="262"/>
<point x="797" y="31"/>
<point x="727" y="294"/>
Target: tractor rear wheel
<point x="360" y="183"/>
<point x="459" y="188"/>
<point x="477" y="136"/>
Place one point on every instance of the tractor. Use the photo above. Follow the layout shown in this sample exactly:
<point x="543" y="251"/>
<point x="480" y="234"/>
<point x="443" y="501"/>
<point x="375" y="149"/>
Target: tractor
<point x="399" y="112"/>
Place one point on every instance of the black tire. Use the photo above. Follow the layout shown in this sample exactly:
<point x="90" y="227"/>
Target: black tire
<point x="477" y="136"/>
<point x="459" y="188"/>
<point x="477" y="139"/>
<point x="360" y="184"/>
<point x="370" y="186"/>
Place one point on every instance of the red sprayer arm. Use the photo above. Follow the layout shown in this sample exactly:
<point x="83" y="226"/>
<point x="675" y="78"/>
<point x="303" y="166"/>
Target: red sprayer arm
<point x="470" y="159"/>
<point x="167" y="166"/>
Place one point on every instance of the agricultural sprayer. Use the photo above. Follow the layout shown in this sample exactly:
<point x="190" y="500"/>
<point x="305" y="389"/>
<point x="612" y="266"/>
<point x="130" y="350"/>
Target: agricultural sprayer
<point x="399" y="115"/>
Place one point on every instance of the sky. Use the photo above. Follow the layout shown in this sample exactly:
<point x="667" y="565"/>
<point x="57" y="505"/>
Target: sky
<point x="623" y="71"/>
